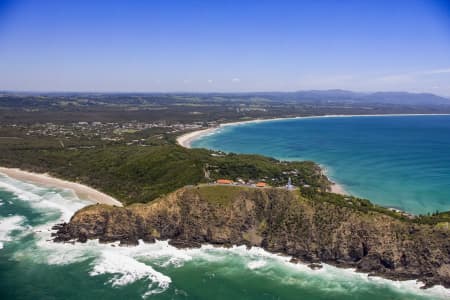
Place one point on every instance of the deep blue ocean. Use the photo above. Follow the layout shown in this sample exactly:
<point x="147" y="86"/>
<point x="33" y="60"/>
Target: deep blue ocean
<point x="396" y="161"/>
<point x="403" y="158"/>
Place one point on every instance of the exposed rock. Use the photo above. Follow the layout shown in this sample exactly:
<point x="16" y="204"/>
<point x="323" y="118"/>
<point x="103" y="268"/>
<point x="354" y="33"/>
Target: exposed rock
<point x="279" y="221"/>
<point x="315" y="266"/>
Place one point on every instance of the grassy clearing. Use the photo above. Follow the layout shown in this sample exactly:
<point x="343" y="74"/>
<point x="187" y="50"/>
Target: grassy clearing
<point x="220" y="195"/>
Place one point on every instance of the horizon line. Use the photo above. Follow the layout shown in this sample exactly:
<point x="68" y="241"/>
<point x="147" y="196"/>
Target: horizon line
<point x="218" y="92"/>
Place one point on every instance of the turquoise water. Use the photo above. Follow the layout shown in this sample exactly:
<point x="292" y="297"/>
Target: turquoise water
<point x="395" y="161"/>
<point x="33" y="267"/>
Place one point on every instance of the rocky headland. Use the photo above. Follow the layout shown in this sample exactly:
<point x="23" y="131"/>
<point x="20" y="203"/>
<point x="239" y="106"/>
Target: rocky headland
<point x="279" y="221"/>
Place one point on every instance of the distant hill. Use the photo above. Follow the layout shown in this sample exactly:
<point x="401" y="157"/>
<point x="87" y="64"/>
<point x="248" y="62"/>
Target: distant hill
<point x="343" y="96"/>
<point x="407" y="98"/>
<point x="21" y="99"/>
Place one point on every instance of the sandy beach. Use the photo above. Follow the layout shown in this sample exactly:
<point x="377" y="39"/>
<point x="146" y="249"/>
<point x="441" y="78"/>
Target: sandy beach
<point x="338" y="189"/>
<point x="186" y="139"/>
<point x="82" y="191"/>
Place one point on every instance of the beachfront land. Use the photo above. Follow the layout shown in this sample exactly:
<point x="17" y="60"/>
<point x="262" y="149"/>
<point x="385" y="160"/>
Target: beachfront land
<point x="166" y="189"/>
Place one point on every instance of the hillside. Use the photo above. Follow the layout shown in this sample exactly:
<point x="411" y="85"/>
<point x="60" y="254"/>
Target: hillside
<point x="279" y="221"/>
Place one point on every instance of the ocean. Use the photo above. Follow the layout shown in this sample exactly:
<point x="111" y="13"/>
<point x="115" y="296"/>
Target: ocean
<point x="33" y="267"/>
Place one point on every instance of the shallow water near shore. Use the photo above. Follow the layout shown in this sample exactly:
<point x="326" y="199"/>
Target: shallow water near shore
<point x="396" y="161"/>
<point x="33" y="267"/>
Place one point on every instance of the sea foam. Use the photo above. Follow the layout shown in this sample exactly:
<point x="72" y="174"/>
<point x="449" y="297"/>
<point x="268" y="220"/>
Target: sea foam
<point x="7" y="226"/>
<point x="128" y="270"/>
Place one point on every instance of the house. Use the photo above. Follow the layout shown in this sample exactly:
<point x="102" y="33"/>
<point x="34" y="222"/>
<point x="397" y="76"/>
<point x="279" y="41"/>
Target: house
<point x="224" y="181"/>
<point x="261" y="184"/>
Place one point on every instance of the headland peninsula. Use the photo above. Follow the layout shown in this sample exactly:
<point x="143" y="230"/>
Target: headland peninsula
<point x="128" y="149"/>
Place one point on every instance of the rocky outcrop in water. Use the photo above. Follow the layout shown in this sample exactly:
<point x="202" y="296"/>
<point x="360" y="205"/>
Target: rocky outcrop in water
<point x="279" y="221"/>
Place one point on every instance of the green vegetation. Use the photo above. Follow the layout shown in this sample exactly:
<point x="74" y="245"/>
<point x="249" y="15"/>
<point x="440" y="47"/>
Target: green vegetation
<point x="365" y="206"/>
<point x="362" y="205"/>
<point x="135" y="174"/>
<point x="219" y="195"/>
<point x="439" y="218"/>
<point x="275" y="173"/>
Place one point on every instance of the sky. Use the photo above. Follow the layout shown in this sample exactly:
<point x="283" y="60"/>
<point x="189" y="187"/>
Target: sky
<point x="225" y="46"/>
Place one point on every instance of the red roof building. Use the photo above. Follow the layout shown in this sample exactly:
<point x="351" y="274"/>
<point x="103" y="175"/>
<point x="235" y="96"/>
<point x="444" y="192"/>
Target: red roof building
<point x="224" y="181"/>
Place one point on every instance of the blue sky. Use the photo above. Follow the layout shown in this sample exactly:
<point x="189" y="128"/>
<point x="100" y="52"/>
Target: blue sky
<point x="225" y="46"/>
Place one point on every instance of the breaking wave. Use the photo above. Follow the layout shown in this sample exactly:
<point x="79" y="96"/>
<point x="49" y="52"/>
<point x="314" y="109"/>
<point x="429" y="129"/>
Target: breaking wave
<point x="9" y="225"/>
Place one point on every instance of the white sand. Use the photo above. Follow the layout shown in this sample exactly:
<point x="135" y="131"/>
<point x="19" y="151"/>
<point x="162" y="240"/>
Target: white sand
<point x="82" y="191"/>
<point x="186" y="139"/>
<point x="338" y="189"/>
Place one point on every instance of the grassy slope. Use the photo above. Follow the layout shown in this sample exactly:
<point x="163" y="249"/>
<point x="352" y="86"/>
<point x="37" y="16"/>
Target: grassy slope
<point x="224" y="195"/>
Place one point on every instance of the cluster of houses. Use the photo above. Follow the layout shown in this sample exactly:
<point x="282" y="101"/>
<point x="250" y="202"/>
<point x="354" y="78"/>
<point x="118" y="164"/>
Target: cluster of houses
<point x="260" y="184"/>
<point x="106" y="130"/>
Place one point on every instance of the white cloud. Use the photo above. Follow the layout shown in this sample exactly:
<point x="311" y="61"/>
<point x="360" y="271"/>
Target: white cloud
<point x="409" y="76"/>
<point x="437" y="71"/>
<point x="236" y="80"/>
<point x="210" y="81"/>
<point x="397" y="78"/>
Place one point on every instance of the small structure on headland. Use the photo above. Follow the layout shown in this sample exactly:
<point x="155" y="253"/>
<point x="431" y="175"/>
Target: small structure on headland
<point x="261" y="184"/>
<point x="289" y="185"/>
<point x="401" y="212"/>
<point x="224" y="181"/>
<point x="240" y="180"/>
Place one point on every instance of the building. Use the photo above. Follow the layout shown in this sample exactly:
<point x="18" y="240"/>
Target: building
<point x="261" y="184"/>
<point x="289" y="185"/>
<point x="240" y="181"/>
<point x="224" y="181"/>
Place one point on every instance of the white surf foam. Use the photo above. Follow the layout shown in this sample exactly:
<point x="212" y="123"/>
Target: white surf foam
<point x="328" y="278"/>
<point x="7" y="226"/>
<point x="128" y="270"/>
<point x="257" y="264"/>
<point x="62" y="201"/>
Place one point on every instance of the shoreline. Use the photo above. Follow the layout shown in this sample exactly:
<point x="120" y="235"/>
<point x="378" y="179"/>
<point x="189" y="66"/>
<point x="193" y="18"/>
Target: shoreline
<point x="82" y="191"/>
<point x="186" y="139"/>
<point x="338" y="189"/>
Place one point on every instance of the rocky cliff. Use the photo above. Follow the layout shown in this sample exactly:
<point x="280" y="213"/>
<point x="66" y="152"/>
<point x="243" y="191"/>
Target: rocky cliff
<point x="279" y="221"/>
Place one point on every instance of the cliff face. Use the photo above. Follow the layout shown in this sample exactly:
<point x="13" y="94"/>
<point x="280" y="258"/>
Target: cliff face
<point x="278" y="221"/>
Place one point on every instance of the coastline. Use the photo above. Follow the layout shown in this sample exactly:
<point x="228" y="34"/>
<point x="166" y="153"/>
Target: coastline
<point x="338" y="189"/>
<point x="185" y="140"/>
<point x="82" y="191"/>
